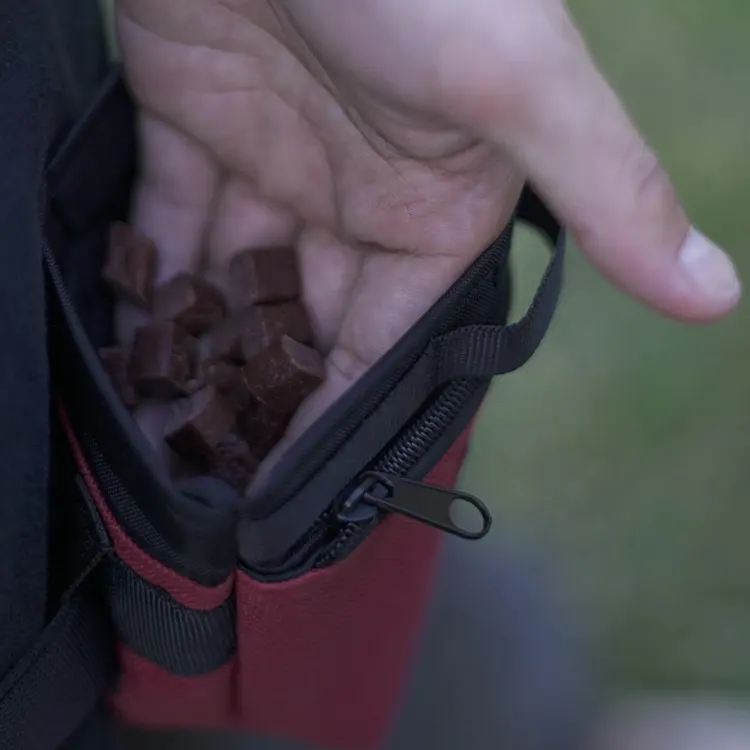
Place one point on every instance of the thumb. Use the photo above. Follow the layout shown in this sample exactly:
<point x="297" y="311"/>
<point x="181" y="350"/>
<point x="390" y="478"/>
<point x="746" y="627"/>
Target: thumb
<point x="569" y="133"/>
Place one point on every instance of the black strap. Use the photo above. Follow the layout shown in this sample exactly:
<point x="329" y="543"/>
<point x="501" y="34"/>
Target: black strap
<point x="58" y="684"/>
<point x="481" y="351"/>
<point x="182" y="640"/>
<point x="49" y="695"/>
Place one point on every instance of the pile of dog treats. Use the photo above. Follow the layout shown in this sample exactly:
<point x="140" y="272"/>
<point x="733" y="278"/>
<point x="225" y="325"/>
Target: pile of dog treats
<point x="233" y="368"/>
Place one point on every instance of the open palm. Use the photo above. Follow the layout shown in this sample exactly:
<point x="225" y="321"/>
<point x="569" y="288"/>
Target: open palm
<point x="388" y="141"/>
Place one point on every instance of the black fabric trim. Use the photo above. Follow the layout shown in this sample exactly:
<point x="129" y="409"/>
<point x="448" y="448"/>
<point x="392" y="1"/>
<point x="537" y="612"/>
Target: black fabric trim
<point x="184" y="641"/>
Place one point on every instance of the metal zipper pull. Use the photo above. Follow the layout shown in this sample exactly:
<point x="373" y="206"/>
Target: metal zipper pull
<point x="432" y="505"/>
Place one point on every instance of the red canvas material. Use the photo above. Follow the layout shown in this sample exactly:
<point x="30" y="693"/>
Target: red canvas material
<point x="323" y="658"/>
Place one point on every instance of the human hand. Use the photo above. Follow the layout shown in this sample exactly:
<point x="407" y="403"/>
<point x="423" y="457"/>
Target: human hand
<point x="389" y="141"/>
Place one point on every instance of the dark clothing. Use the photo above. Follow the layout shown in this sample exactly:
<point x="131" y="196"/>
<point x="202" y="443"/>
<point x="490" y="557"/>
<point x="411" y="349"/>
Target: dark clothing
<point x="51" y="57"/>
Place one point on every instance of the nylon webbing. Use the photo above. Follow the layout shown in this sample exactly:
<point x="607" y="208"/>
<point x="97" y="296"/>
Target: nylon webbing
<point x="481" y="351"/>
<point x="182" y="640"/>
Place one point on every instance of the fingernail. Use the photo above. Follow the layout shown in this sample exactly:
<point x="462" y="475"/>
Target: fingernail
<point x="710" y="268"/>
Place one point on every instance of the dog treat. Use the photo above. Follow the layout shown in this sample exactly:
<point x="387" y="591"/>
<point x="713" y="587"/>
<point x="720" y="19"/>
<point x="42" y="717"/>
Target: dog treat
<point x="223" y="341"/>
<point x="198" y="425"/>
<point x="213" y="382"/>
<point x="115" y="361"/>
<point x="261" y="425"/>
<point x="189" y="301"/>
<point x="258" y="276"/>
<point x="268" y="323"/>
<point x="162" y="361"/>
<point x="130" y="266"/>
<point x="225" y="376"/>
<point x="234" y="462"/>
<point x="284" y="374"/>
<point x="152" y="417"/>
<point x="246" y="333"/>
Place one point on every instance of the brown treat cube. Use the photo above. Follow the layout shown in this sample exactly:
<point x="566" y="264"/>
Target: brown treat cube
<point x="198" y="424"/>
<point x="270" y="322"/>
<point x="130" y="267"/>
<point x="223" y="341"/>
<point x="234" y="462"/>
<point x="261" y="426"/>
<point x="189" y="301"/>
<point x="223" y="375"/>
<point x="268" y="275"/>
<point x="162" y="361"/>
<point x="247" y="332"/>
<point x="115" y="362"/>
<point x="152" y="418"/>
<point x="284" y="374"/>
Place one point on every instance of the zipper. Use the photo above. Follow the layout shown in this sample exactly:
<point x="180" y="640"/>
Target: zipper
<point x="386" y="487"/>
<point x="417" y="500"/>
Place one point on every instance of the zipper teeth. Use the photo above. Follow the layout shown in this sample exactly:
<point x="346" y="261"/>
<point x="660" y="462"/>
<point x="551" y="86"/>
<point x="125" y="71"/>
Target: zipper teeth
<point x="406" y="454"/>
<point x="428" y="429"/>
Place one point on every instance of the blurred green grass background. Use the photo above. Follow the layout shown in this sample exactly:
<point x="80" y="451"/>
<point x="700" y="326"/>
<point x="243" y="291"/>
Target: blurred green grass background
<point x="622" y="449"/>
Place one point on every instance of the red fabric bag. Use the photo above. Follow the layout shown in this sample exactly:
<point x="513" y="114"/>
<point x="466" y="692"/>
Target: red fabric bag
<point x="295" y="612"/>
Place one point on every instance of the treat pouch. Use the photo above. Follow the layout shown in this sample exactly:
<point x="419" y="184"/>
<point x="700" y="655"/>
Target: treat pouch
<point x="294" y="611"/>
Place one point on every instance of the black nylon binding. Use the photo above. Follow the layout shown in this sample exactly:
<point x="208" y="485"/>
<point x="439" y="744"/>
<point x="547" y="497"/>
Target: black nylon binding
<point x="483" y="351"/>
<point x="182" y="640"/>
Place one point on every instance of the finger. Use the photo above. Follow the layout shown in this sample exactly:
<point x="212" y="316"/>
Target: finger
<point x="172" y="201"/>
<point x="329" y="269"/>
<point x="558" y="118"/>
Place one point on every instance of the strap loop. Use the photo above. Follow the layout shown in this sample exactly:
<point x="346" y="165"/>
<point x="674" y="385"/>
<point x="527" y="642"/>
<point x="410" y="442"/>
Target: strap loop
<point x="481" y="351"/>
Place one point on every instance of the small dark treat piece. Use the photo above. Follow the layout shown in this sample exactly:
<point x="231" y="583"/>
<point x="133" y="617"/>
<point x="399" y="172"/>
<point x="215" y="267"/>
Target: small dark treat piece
<point x="115" y="361"/>
<point x="261" y="426"/>
<point x="191" y="302"/>
<point x="223" y="341"/>
<point x="130" y="266"/>
<point x="245" y="333"/>
<point x="152" y="418"/>
<point x="269" y="275"/>
<point x="284" y="374"/>
<point x="223" y="375"/>
<point x="162" y="361"/>
<point x="270" y="322"/>
<point x="198" y="424"/>
<point x="234" y="462"/>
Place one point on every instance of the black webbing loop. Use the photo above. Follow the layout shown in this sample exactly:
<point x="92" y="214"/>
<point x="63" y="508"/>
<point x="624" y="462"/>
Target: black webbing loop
<point x="57" y="685"/>
<point x="182" y="640"/>
<point x="481" y="351"/>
